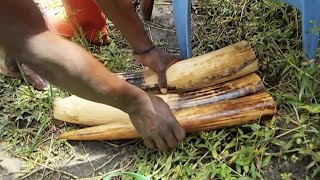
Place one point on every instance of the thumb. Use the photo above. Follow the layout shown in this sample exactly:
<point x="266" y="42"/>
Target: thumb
<point x="162" y="82"/>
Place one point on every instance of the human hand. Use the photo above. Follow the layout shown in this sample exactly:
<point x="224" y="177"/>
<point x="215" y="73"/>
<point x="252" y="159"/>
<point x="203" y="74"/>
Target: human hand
<point x="156" y="124"/>
<point x="158" y="61"/>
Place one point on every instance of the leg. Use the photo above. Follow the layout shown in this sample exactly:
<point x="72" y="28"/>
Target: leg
<point x="146" y="7"/>
<point x="7" y="66"/>
<point x="124" y="17"/>
<point x="122" y="14"/>
<point x="182" y="14"/>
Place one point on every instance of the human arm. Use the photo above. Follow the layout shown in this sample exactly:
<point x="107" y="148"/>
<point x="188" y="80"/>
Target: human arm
<point x="72" y="68"/>
<point x="124" y="17"/>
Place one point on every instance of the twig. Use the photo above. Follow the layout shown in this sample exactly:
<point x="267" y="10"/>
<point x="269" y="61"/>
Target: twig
<point x="49" y="152"/>
<point x="236" y="172"/>
<point x="164" y="28"/>
<point x="84" y="149"/>
<point x="111" y="144"/>
<point x="163" y="3"/>
<point x="150" y="34"/>
<point x="274" y="42"/>
<point x="127" y="143"/>
<point x="310" y="165"/>
<point x="277" y="154"/>
<point x="242" y="10"/>
<point x="297" y="115"/>
<point x="128" y="164"/>
<point x="303" y="72"/>
<point x="7" y="174"/>
<point x="70" y="159"/>
<point x="25" y="79"/>
<point x="112" y="157"/>
<point x="50" y="168"/>
<point x="289" y="131"/>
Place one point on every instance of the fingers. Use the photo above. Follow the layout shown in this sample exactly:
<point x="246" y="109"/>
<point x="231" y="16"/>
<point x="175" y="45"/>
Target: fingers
<point x="176" y="134"/>
<point x="160" y="142"/>
<point x="162" y="76"/>
<point x="171" y="140"/>
<point x="163" y="130"/>
<point x="179" y="133"/>
<point x="167" y="138"/>
<point x="162" y="82"/>
<point x="149" y="143"/>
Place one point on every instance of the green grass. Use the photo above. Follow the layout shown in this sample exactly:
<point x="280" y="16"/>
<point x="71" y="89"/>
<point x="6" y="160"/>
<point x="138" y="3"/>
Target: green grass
<point x="283" y="147"/>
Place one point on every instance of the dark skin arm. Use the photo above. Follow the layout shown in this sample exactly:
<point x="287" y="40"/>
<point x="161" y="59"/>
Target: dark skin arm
<point x="123" y="15"/>
<point x="71" y="67"/>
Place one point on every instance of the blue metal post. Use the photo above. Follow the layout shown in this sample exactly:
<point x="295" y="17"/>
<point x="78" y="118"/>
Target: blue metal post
<point x="310" y="12"/>
<point x="182" y="15"/>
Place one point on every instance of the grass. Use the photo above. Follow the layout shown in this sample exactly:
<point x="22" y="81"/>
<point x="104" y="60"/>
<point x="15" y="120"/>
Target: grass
<point x="284" y="147"/>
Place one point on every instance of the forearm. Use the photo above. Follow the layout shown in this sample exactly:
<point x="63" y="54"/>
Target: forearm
<point x="60" y="61"/>
<point x="72" y="68"/>
<point x="124" y="17"/>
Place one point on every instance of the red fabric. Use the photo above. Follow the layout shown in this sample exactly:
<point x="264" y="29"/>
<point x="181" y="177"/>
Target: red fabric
<point x="81" y="13"/>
